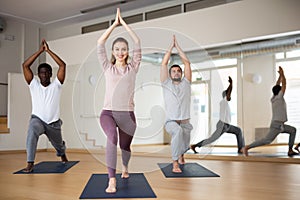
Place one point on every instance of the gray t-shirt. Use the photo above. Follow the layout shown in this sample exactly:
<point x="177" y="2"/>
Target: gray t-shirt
<point x="177" y="99"/>
<point x="279" y="108"/>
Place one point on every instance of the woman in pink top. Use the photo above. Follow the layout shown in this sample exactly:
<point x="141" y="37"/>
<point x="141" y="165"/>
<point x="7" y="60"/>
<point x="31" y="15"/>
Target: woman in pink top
<point x="117" y="117"/>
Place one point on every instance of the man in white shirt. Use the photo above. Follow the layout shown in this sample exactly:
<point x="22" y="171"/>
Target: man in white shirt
<point x="177" y="97"/>
<point x="45" y="98"/>
<point x="223" y="124"/>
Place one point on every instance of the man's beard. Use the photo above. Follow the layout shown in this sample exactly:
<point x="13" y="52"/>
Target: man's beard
<point x="176" y="79"/>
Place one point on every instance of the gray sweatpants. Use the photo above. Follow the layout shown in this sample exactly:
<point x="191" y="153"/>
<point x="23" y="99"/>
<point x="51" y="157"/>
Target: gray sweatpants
<point x="275" y="129"/>
<point x="224" y="128"/>
<point x="180" y="137"/>
<point x="38" y="127"/>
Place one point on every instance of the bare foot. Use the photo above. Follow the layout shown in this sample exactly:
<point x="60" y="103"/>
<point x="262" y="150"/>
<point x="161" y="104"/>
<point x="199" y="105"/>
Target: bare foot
<point x="181" y="160"/>
<point x="292" y="153"/>
<point x="245" y="150"/>
<point x="193" y="147"/>
<point x="125" y="173"/>
<point x="176" y="169"/>
<point x="297" y="148"/>
<point x="240" y="151"/>
<point x="112" y="186"/>
<point x="64" y="158"/>
<point x="29" y="167"/>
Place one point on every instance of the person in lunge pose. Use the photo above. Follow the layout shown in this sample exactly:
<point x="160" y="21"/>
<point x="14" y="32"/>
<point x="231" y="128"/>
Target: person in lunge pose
<point x="45" y="97"/>
<point x="177" y="97"/>
<point x="279" y="117"/>
<point x="224" y="124"/>
<point x="117" y="117"/>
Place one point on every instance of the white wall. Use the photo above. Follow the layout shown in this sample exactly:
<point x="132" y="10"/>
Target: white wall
<point x="18" y="41"/>
<point x="219" y="24"/>
<point x="9" y="49"/>
<point x="238" y="24"/>
<point x="19" y="115"/>
<point x="256" y="97"/>
<point x="207" y="27"/>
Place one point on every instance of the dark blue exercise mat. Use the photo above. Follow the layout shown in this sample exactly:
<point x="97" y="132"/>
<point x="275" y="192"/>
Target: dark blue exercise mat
<point x="50" y="167"/>
<point x="274" y="155"/>
<point x="136" y="186"/>
<point x="189" y="170"/>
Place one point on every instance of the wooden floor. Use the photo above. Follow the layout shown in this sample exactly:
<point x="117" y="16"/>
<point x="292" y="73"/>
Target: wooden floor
<point x="240" y="177"/>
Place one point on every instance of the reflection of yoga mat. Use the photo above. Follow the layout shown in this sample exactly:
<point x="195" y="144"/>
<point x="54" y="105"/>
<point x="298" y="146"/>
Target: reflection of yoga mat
<point x="219" y="153"/>
<point x="189" y="170"/>
<point x="275" y="155"/>
<point x="50" y="167"/>
<point x="136" y="186"/>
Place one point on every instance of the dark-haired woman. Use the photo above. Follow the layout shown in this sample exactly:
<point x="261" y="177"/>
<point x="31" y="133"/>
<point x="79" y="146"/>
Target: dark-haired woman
<point x="117" y="118"/>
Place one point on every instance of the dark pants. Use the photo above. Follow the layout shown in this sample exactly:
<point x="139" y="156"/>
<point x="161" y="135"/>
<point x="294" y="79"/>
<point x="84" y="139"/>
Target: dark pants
<point x="224" y="128"/>
<point x="114" y="124"/>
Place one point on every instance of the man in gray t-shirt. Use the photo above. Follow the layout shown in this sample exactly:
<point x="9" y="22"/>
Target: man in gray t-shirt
<point x="279" y="118"/>
<point x="177" y="96"/>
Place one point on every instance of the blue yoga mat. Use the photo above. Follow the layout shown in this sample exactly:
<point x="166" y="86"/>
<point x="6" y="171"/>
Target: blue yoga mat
<point x="50" y="167"/>
<point x="274" y="155"/>
<point x="136" y="186"/>
<point x="189" y="170"/>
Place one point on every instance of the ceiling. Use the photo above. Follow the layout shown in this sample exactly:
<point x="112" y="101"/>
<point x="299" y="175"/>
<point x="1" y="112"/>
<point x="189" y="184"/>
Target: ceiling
<point x="63" y="12"/>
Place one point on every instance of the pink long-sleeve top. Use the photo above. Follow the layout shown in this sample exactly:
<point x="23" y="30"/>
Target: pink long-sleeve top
<point x="119" y="81"/>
